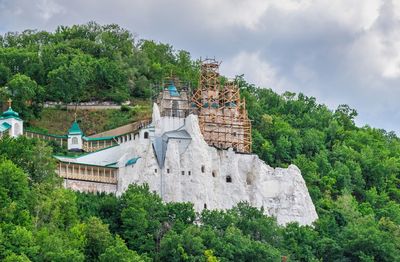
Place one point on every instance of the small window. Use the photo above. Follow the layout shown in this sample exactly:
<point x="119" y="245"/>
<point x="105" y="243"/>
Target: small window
<point x="146" y="135"/>
<point x="168" y="170"/>
<point x="205" y="206"/>
<point x="203" y="169"/>
<point x="234" y="133"/>
<point x="189" y="173"/>
<point x="228" y="179"/>
<point x="183" y="173"/>
<point x="74" y="141"/>
<point x="214" y="174"/>
<point x="155" y="170"/>
<point x="16" y="129"/>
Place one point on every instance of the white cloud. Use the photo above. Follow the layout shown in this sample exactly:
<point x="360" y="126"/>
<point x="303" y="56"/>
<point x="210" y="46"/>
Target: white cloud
<point x="254" y="69"/>
<point x="377" y="51"/>
<point x="48" y="8"/>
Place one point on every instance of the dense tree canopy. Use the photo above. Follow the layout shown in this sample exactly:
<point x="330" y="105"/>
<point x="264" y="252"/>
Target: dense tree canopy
<point x="84" y="63"/>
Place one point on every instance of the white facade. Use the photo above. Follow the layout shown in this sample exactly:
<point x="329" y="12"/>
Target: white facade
<point x="75" y="143"/>
<point x="17" y="126"/>
<point x="207" y="177"/>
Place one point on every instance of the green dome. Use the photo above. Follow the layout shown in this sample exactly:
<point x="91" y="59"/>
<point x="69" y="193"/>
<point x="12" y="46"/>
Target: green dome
<point x="75" y="129"/>
<point x="10" y="113"/>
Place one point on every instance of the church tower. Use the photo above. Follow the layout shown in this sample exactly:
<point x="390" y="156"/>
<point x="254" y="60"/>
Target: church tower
<point x="75" y="134"/>
<point x="10" y="122"/>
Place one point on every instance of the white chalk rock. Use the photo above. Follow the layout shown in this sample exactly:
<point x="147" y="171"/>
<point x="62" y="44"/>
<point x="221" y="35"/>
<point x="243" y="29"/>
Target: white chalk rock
<point x="220" y="179"/>
<point x="207" y="177"/>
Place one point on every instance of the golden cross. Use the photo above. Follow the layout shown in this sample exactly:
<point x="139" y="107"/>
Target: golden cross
<point x="9" y="101"/>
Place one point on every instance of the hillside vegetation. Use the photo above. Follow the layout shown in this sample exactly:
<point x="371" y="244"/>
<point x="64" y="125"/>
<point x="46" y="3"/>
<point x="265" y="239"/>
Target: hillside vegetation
<point x="58" y="121"/>
<point x="352" y="173"/>
<point x="85" y="63"/>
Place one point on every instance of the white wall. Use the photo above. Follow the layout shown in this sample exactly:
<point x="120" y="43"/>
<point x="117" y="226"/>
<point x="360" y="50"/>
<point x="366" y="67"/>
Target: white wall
<point x="282" y="192"/>
<point x="13" y="132"/>
<point x="77" y="146"/>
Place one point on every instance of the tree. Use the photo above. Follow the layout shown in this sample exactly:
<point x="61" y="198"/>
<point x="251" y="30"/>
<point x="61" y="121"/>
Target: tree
<point x="13" y="184"/>
<point x="68" y="82"/>
<point x="98" y="238"/>
<point x="142" y="216"/>
<point x="5" y="74"/>
<point x="31" y="155"/>
<point x="120" y="253"/>
<point x="26" y="95"/>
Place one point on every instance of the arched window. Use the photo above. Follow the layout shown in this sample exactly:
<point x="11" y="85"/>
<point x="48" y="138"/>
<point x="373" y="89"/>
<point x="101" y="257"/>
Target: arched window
<point x="205" y="206"/>
<point x="16" y="129"/>
<point x="74" y="140"/>
<point x="214" y="174"/>
<point x="228" y="179"/>
<point x="203" y="169"/>
<point x="146" y="135"/>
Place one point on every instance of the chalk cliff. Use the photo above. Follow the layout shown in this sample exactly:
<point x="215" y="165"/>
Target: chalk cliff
<point x="172" y="157"/>
<point x="215" y="179"/>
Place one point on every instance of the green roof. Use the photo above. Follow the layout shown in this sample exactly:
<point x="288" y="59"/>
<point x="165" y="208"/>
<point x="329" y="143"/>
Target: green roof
<point x="132" y="161"/>
<point x="4" y="127"/>
<point x="75" y="129"/>
<point x="10" y="113"/>
<point x="98" y="138"/>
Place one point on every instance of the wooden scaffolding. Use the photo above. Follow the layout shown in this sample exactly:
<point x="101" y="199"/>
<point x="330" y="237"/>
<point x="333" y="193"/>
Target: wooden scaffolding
<point x="223" y="117"/>
<point x="173" y="98"/>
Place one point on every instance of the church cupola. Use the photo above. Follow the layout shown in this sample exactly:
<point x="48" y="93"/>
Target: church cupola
<point x="75" y="134"/>
<point x="10" y="122"/>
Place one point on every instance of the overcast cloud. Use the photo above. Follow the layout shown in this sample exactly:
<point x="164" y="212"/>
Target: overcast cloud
<point x="341" y="52"/>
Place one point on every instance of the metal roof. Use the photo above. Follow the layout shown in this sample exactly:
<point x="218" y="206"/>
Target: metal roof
<point x="160" y="143"/>
<point x="4" y="127"/>
<point x="172" y="90"/>
<point x="10" y="113"/>
<point x="75" y="129"/>
<point x="98" y="138"/>
<point x="132" y="161"/>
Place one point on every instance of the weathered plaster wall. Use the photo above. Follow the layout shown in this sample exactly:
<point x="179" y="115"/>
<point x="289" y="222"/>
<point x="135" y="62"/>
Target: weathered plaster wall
<point x="91" y="187"/>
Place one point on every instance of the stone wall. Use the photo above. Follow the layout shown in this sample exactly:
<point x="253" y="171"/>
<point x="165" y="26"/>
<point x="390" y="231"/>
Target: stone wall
<point x="90" y="187"/>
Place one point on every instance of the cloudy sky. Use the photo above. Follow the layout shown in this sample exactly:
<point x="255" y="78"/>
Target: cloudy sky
<point x="341" y="52"/>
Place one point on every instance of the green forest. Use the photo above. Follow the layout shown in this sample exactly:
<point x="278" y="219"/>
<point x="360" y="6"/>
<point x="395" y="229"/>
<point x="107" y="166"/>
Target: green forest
<point x="352" y="173"/>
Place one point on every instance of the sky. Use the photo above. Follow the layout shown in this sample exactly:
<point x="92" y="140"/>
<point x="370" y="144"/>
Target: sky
<point x="341" y="52"/>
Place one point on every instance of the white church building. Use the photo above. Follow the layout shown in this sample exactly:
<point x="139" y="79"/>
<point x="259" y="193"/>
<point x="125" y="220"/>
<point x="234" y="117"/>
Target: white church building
<point x="180" y="166"/>
<point x="10" y="123"/>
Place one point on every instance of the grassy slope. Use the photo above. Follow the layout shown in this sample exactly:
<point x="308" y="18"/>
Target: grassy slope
<point x="58" y="121"/>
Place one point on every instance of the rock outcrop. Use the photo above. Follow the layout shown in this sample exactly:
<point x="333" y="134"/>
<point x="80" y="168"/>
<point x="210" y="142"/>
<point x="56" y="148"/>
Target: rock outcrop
<point x="219" y="179"/>
<point x="172" y="157"/>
